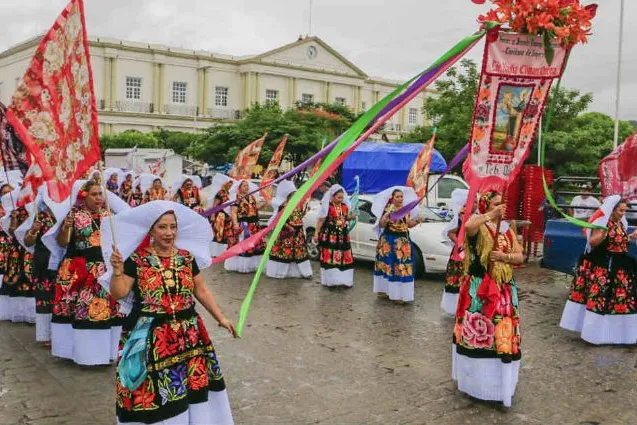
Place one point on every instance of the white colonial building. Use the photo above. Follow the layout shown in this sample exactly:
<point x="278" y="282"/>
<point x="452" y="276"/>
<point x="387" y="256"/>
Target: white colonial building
<point x="144" y="86"/>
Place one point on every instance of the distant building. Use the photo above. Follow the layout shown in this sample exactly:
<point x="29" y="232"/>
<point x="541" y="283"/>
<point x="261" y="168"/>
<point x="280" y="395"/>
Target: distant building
<point x="141" y="86"/>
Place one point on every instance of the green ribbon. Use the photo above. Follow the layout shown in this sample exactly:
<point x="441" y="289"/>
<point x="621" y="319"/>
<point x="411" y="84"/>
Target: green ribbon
<point x="347" y="140"/>
<point x="547" y="192"/>
<point x="476" y="304"/>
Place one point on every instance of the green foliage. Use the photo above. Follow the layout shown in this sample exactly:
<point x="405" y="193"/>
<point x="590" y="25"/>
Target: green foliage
<point x="450" y="109"/>
<point x="588" y="139"/>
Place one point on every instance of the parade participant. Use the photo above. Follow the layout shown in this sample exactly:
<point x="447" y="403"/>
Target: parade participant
<point x="289" y="257"/>
<point x="602" y="304"/>
<point x="394" y="271"/>
<point x="455" y="268"/>
<point x="332" y="238"/>
<point x="486" y="340"/>
<point x="5" y="245"/>
<point x="187" y="193"/>
<point x="126" y="189"/>
<point x="245" y="223"/>
<point x="111" y="175"/>
<point x="160" y="249"/>
<point x="84" y="326"/>
<point x="156" y="192"/>
<point x="18" y="276"/>
<point x="137" y="197"/>
<point x="221" y="221"/>
<point x="40" y="221"/>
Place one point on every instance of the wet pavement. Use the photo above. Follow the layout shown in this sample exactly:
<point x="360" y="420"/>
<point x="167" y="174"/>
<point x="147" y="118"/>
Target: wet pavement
<point x="316" y="356"/>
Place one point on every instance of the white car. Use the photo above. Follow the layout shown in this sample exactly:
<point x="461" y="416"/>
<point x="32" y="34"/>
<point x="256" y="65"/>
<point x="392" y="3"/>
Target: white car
<point x="431" y="252"/>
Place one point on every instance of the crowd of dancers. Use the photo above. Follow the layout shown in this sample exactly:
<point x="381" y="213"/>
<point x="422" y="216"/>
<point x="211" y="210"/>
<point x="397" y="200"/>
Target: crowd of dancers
<point x="112" y="273"/>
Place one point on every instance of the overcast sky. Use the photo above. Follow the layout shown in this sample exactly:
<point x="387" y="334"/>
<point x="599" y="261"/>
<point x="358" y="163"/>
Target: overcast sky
<point x="392" y="39"/>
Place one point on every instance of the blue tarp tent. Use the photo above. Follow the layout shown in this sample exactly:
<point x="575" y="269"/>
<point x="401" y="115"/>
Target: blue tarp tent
<point x="383" y="165"/>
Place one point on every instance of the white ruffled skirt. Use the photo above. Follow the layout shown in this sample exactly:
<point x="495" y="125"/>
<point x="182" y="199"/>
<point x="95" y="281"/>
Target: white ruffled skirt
<point x="486" y="379"/>
<point x="216" y="411"/>
<point x="336" y="277"/>
<point x="278" y="270"/>
<point x="396" y="291"/>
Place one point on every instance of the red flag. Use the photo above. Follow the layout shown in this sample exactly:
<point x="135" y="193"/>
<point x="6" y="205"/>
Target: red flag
<point x="271" y="172"/>
<point x="419" y="174"/>
<point x="53" y="110"/>
<point x="246" y="159"/>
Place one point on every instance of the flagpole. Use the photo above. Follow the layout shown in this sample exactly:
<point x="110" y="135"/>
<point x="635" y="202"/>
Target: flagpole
<point x="105" y="191"/>
<point x="619" y="72"/>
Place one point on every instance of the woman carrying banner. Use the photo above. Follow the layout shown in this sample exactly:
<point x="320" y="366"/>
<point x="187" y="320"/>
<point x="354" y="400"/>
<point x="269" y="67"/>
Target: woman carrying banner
<point x="39" y="224"/>
<point x="84" y="324"/>
<point x="289" y="257"/>
<point x="393" y="271"/>
<point x="5" y="245"/>
<point x="332" y="238"/>
<point x="221" y="222"/>
<point x="18" y="276"/>
<point x="245" y="223"/>
<point x="455" y="268"/>
<point x="602" y="304"/>
<point x="168" y="371"/>
<point x="486" y="340"/>
<point x="156" y="192"/>
<point x="187" y="193"/>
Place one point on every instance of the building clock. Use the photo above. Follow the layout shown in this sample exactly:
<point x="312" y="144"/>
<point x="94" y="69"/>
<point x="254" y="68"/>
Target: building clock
<point x="312" y="52"/>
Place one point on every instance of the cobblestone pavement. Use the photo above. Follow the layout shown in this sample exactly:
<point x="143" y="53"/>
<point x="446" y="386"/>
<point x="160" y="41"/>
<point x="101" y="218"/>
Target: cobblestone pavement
<point x="316" y="356"/>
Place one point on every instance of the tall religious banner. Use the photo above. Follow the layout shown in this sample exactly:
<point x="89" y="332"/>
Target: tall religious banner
<point x="246" y="159"/>
<point x="514" y="86"/>
<point x="418" y="177"/>
<point x="618" y="171"/>
<point x="53" y="110"/>
<point x="271" y="173"/>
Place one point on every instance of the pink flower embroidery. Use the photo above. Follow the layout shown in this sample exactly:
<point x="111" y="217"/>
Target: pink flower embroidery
<point x="82" y="220"/>
<point x="477" y="330"/>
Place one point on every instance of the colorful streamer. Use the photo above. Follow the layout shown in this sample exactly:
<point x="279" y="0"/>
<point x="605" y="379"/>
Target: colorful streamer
<point x="350" y="140"/>
<point x="460" y="156"/>
<point x="354" y="201"/>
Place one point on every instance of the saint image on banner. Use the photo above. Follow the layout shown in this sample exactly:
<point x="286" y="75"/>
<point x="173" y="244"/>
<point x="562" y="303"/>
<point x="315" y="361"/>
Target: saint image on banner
<point x="511" y="104"/>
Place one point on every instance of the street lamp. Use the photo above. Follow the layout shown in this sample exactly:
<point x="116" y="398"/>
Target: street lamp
<point x="619" y="71"/>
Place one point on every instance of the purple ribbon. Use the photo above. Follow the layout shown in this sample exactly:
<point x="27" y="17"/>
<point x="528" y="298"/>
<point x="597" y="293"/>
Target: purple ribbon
<point x="395" y="216"/>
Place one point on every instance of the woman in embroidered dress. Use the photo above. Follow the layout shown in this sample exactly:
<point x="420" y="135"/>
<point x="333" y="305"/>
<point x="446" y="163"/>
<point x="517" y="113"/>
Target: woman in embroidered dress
<point x="176" y="378"/>
<point x="187" y="194"/>
<point x="455" y="268"/>
<point x="221" y="221"/>
<point x="84" y="323"/>
<point x="41" y="221"/>
<point x="137" y="197"/>
<point x="18" y="276"/>
<point x="157" y="192"/>
<point x="111" y="176"/>
<point x="332" y="238"/>
<point x="602" y="304"/>
<point x="289" y="257"/>
<point x="486" y="340"/>
<point x="5" y="245"/>
<point x="126" y="189"/>
<point x="393" y="271"/>
<point x="245" y="223"/>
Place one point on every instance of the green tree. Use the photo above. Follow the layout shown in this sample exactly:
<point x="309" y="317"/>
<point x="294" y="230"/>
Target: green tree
<point x="450" y="109"/>
<point x="129" y="139"/>
<point x="306" y="126"/>
<point x="588" y="139"/>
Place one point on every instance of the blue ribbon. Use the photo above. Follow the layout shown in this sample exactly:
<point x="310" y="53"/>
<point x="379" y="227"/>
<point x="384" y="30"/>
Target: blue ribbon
<point x="132" y="367"/>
